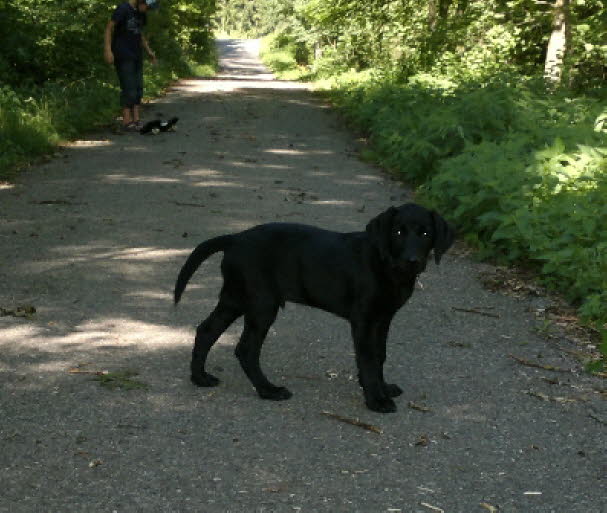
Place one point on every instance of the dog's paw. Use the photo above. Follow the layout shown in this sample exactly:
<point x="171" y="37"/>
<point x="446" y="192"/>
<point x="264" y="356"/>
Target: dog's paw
<point x="381" y="405"/>
<point x="392" y="390"/>
<point x="275" y="394"/>
<point x="204" y="380"/>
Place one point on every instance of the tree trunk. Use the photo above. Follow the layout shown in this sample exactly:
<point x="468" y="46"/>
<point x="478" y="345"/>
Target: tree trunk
<point x="437" y="12"/>
<point x="443" y="9"/>
<point x="432" y="14"/>
<point x="558" y="43"/>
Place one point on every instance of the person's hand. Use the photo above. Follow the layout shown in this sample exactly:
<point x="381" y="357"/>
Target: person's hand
<point x="109" y="56"/>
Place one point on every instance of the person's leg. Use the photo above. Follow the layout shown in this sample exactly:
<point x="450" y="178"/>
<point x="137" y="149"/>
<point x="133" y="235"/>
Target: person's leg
<point x="127" y="116"/>
<point x="138" y="73"/>
<point x="127" y="76"/>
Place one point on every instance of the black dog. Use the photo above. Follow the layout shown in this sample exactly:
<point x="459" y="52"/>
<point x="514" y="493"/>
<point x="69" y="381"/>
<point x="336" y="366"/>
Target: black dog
<point x="157" y="125"/>
<point x="364" y="277"/>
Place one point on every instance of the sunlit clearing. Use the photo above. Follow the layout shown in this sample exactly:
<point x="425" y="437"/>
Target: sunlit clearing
<point x="299" y="152"/>
<point x="151" y="294"/>
<point x="18" y="332"/>
<point x="203" y="172"/>
<point x="148" y="254"/>
<point x="88" y="143"/>
<point x="107" y="332"/>
<point x="337" y="203"/>
<point x="465" y="412"/>
<point x="220" y="184"/>
<point x="139" y="179"/>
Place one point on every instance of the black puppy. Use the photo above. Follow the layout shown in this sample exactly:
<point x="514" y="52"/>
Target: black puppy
<point x="155" y="126"/>
<point x="364" y="277"/>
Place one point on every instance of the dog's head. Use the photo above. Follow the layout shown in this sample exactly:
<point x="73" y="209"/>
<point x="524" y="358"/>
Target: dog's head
<point x="405" y="236"/>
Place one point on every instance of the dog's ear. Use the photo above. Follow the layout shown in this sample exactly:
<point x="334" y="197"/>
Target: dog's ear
<point x="379" y="229"/>
<point x="444" y="235"/>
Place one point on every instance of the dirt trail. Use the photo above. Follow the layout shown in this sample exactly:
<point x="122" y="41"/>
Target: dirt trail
<point x="93" y="240"/>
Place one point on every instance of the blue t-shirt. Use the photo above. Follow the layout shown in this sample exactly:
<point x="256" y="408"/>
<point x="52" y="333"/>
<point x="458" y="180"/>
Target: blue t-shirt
<point x="126" y="42"/>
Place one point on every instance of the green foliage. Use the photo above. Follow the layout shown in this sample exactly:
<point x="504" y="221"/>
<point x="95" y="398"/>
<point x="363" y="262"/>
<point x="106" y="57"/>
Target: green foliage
<point x="523" y="175"/>
<point x="600" y="364"/>
<point x="464" y="39"/>
<point x="278" y="53"/>
<point x="454" y="101"/>
<point x="27" y="122"/>
<point x="120" y="379"/>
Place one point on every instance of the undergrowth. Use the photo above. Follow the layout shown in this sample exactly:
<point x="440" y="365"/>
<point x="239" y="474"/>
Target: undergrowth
<point x="522" y="173"/>
<point x="35" y="119"/>
<point x="282" y="60"/>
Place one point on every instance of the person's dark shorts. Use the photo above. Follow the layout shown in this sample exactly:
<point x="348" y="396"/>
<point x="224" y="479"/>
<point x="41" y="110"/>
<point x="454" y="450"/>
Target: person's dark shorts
<point x="130" y="75"/>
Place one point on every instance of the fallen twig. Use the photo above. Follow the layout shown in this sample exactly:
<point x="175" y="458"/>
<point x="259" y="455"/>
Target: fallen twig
<point x="418" y="407"/>
<point x="475" y="311"/>
<point x="309" y="378"/>
<point x="19" y="311"/>
<point x="353" y="422"/>
<point x="76" y="370"/>
<point x="537" y="365"/>
<point x="57" y="202"/>
<point x="433" y="508"/>
<point x="555" y="399"/>
<point x="182" y="204"/>
<point x="423" y="441"/>
<point x="600" y="420"/>
<point x="489" y="507"/>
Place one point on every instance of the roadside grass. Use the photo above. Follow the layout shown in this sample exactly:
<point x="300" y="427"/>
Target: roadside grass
<point x="120" y="379"/>
<point x="283" y="63"/>
<point x="522" y="173"/>
<point x="34" y="120"/>
<point x="599" y="365"/>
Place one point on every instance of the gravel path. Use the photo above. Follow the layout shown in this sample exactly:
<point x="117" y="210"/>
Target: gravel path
<point x="93" y="239"/>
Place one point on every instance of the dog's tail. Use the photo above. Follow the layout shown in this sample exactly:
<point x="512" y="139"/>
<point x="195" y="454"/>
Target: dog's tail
<point x="199" y="255"/>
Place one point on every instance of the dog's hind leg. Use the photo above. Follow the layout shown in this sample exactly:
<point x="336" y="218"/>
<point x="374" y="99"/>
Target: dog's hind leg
<point x="248" y="351"/>
<point x="207" y="334"/>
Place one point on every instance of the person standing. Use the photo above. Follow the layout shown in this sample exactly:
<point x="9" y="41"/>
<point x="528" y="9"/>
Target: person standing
<point x="124" y="43"/>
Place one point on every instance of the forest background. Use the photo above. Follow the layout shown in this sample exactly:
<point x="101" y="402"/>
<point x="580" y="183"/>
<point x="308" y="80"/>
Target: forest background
<point x="495" y="110"/>
<point x="54" y="82"/>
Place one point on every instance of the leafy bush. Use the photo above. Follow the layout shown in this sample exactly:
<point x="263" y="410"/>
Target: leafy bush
<point x="522" y="174"/>
<point x="286" y="56"/>
<point x="453" y="100"/>
<point x="26" y="127"/>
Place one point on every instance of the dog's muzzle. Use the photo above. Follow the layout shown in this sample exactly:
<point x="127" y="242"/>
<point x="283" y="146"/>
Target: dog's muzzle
<point x="410" y="266"/>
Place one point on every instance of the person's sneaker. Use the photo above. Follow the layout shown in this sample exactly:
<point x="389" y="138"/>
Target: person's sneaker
<point x="139" y="125"/>
<point x="131" y="127"/>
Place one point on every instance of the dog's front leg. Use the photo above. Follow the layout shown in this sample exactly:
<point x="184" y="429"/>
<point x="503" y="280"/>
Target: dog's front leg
<point x="381" y="329"/>
<point x="369" y="360"/>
